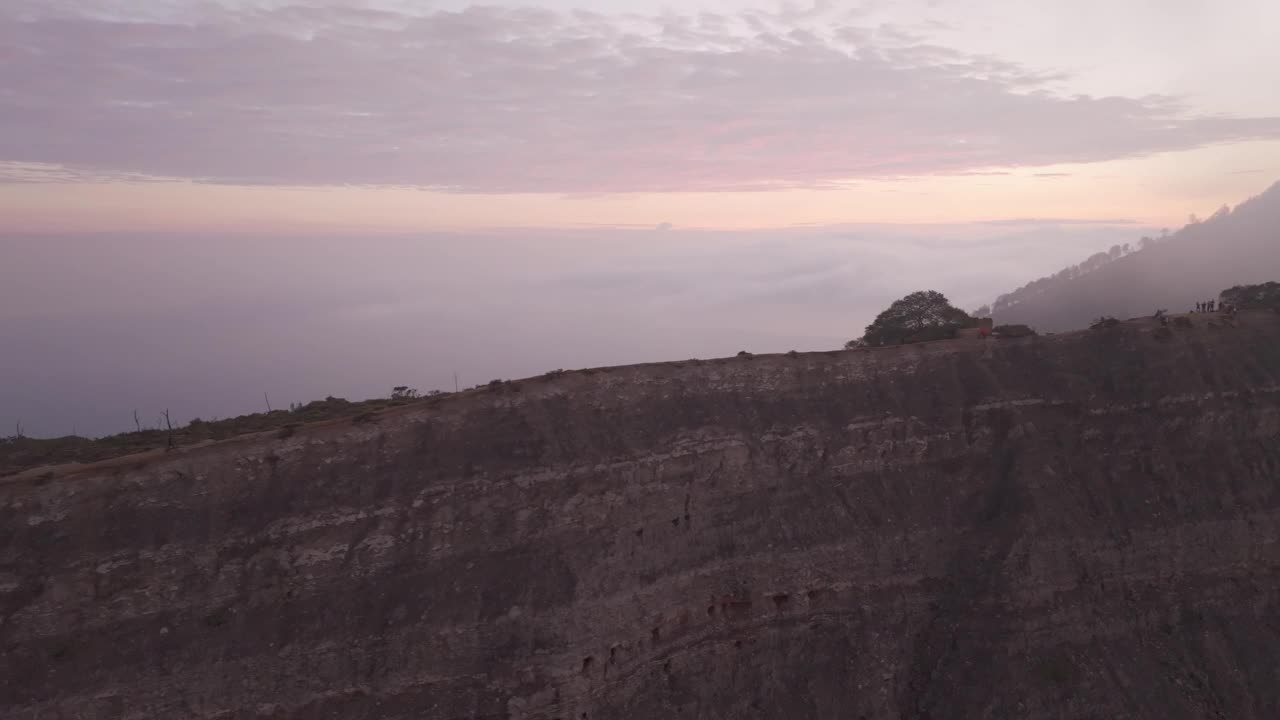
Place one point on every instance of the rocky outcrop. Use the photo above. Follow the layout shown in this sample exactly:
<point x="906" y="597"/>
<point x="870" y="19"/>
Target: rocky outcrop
<point x="1077" y="526"/>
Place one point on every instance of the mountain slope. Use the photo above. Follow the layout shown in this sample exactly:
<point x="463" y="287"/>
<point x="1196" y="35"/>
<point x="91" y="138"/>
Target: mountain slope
<point x="1194" y="264"/>
<point x="1077" y="526"/>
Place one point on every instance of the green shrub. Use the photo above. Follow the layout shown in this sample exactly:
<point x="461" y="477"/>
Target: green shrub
<point x="1012" y="331"/>
<point x="1265" y="296"/>
<point x="403" y="392"/>
<point x="919" y="317"/>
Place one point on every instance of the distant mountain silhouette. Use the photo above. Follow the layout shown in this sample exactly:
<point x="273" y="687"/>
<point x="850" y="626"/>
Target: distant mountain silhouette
<point x="1173" y="272"/>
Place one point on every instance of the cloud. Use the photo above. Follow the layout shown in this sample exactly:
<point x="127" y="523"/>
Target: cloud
<point x="353" y="315"/>
<point x="496" y="100"/>
<point x="1023" y="222"/>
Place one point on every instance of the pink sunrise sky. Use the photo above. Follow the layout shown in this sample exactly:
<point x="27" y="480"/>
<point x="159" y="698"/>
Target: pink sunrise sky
<point x="203" y="200"/>
<point x="417" y="116"/>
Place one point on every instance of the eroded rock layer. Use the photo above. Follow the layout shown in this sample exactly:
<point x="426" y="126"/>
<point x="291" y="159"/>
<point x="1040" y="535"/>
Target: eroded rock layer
<point x="1077" y="526"/>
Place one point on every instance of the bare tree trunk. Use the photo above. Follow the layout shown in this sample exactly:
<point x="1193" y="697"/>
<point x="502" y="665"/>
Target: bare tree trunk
<point x="170" y="426"/>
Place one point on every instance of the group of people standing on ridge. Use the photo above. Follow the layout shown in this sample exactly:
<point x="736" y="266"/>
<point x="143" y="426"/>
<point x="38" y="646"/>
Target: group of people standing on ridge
<point x="1210" y="306"/>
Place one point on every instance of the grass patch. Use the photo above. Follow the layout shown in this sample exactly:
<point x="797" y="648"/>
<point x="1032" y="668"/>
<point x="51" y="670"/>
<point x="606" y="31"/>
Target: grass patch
<point x="21" y="453"/>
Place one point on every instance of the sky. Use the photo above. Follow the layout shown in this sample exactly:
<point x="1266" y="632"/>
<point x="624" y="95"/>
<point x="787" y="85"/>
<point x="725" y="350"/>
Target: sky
<point x="202" y="201"/>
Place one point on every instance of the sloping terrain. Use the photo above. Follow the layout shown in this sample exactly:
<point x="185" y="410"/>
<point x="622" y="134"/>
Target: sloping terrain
<point x="18" y="453"/>
<point x="1196" y="263"/>
<point x="1077" y="526"/>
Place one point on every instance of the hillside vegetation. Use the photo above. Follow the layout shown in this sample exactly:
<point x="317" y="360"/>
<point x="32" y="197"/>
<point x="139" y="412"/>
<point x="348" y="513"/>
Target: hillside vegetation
<point x="18" y="452"/>
<point x="1240" y="246"/>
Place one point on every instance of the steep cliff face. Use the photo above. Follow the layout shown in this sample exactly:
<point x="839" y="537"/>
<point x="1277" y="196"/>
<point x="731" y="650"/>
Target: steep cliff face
<point x="1076" y="526"/>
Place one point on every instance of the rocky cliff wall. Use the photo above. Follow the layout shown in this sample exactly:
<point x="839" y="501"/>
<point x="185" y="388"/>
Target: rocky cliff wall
<point x="1075" y="526"/>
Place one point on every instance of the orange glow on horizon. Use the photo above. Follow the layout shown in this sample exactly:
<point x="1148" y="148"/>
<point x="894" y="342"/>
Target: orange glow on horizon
<point x="1159" y="190"/>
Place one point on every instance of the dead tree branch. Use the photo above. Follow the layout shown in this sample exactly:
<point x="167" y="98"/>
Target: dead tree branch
<point x="170" y="426"/>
